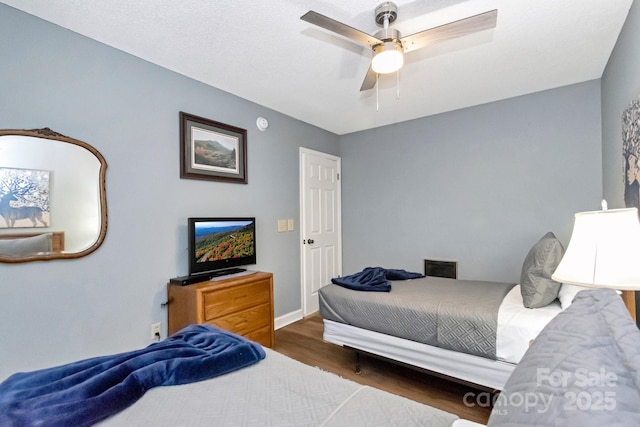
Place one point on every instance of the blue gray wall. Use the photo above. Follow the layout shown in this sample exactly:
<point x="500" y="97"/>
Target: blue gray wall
<point x="620" y="85"/>
<point x="479" y="186"/>
<point x="58" y="311"/>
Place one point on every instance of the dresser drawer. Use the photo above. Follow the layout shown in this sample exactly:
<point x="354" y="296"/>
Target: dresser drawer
<point x="221" y="302"/>
<point x="245" y="321"/>
<point x="262" y="336"/>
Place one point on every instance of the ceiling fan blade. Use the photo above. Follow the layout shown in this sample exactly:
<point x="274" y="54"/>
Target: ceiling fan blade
<point x="463" y="27"/>
<point x="339" y="28"/>
<point x="369" y="80"/>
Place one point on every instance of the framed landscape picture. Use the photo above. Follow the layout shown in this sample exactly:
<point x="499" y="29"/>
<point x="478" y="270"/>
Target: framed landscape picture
<point x="212" y="150"/>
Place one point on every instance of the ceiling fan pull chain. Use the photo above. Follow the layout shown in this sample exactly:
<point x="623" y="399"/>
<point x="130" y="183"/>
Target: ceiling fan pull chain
<point x="377" y="99"/>
<point x="398" y="84"/>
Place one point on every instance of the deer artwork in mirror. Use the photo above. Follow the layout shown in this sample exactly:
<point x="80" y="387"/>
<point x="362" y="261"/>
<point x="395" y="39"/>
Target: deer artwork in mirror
<point x="21" y="192"/>
<point x="52" y="196"/>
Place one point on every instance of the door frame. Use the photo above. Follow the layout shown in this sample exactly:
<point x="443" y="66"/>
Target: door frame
<point x="301" y="221"/>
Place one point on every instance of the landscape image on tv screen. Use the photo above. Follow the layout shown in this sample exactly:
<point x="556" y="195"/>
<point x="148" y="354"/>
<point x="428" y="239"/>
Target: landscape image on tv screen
<point x="223" y="240"/>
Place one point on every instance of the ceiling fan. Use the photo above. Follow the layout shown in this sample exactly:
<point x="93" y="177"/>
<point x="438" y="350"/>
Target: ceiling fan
<point x="388" y="47"/>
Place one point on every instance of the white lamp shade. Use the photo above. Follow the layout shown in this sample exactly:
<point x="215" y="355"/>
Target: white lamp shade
<point x="387" y="58"/>
<point x="604" y="251"/>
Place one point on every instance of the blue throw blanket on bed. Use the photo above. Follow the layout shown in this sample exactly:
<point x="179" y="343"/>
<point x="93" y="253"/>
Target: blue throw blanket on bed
<point x="85" y="392"/>
<point x="374" y="279"/>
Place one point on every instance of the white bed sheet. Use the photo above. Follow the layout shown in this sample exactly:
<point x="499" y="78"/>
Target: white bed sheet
<point x="518" y="325"/>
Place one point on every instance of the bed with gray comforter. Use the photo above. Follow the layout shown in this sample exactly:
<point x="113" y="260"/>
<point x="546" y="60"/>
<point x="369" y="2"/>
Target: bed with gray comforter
<point x="277" y="391"/>
<point x="582" y="370"/>
<point x="458" y="315"/>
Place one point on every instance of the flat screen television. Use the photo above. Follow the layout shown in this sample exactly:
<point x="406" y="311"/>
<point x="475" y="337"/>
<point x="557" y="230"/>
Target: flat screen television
<point x="216" y="245"/>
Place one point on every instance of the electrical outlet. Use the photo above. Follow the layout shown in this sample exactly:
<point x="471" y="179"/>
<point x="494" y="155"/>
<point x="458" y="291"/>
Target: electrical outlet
<point x="156" y="331"/>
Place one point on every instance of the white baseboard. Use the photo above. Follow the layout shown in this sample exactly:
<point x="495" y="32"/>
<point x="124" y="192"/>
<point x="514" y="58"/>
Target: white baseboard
<point x="287" y="319"/>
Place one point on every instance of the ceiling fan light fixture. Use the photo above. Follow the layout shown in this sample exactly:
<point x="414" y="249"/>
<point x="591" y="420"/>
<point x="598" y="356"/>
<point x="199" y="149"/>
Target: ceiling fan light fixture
<point x="388" y="46"/>
<point x="387" y="58"/>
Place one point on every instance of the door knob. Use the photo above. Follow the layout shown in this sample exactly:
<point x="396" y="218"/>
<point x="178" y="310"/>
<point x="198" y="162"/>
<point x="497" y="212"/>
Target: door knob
<point x="310" y="241"/>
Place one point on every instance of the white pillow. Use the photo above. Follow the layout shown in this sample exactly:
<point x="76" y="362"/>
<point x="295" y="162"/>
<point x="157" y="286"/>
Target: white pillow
<point x="567" y="293"/>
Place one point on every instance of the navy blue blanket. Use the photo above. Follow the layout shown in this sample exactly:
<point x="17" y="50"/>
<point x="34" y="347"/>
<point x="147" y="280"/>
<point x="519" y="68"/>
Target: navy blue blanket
<point x="85" y="392"/>
<point x="374" y="279"/>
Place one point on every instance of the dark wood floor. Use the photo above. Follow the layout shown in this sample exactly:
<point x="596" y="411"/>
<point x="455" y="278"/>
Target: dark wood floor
<point x="302" y="341"/>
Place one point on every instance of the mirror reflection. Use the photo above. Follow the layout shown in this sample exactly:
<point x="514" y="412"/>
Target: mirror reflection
<point x="52" y="196"/>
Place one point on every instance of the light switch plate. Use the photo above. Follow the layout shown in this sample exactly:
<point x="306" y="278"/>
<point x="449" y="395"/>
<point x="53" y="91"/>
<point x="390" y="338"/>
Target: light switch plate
<point x="289" y="225"/>
<point x="282" y="225"/>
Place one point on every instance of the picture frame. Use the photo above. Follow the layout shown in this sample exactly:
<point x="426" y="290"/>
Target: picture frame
<point x="211" y="150"/>
<point x="24" y="198"/>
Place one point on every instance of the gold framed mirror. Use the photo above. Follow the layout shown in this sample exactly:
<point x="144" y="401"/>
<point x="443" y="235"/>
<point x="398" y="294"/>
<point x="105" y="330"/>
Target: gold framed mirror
<point x="53" y="202"/>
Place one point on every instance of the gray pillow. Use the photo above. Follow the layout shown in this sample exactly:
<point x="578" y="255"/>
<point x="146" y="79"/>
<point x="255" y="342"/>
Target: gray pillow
<point x="536" y="285"/>
<point x="26" y="246"/>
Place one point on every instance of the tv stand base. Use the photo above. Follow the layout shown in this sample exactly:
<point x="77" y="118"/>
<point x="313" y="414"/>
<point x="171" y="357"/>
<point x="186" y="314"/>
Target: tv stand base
<point x="226" y="272"/>
<point x="203" y="277"/>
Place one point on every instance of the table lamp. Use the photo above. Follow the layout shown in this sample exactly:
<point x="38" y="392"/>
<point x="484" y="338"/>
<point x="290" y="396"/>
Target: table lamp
<point x="604" y="252"/>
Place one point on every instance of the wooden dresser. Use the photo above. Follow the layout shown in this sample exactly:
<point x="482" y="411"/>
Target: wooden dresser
<point x="242" y="305"/>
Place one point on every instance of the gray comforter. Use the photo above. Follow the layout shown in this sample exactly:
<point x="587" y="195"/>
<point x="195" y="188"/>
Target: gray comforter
<point x="582" y="370"/>
<point x="459" y="315"/>
<point x="277" y="392"/>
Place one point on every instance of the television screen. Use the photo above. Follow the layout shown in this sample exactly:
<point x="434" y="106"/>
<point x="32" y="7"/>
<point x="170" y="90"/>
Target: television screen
<point x="221" y="243"/>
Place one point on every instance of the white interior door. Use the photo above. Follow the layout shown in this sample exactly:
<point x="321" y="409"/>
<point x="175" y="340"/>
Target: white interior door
<point x="320" y="219"/>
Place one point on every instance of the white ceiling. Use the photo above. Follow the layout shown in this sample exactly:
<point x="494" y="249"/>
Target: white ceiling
<point x="260" y="50"/>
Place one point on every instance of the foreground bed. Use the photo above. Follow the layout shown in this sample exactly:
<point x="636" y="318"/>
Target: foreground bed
<point x="201" y="376"/>
<point x="582" y="370"/>
<point x="278" y="391"/>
